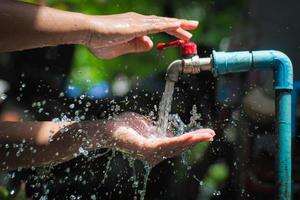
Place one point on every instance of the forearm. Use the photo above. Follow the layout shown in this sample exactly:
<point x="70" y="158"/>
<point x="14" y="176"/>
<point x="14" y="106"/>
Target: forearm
<point x="25" y="26"/>
<point x="39" y="143"/>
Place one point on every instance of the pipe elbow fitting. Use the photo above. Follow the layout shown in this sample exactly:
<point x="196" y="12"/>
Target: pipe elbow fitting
<point x="173" y="70"/>
<point x="281" y="65"/>
<point x="283" y="71"/>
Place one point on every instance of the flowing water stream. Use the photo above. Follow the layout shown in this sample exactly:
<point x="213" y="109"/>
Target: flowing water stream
<point x="162" y="127"/>
<point x="165" y="108"/>
<point x="178" y="127"/>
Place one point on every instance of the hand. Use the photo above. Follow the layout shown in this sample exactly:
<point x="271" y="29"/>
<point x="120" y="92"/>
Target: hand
<point x="114" y="35"/>
<point x="136" y="135"/>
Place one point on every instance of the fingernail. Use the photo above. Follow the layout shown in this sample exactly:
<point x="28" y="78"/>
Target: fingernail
<point x="194" y="22"/>
<point x="148" y="41"/>
<point x="188" y="35"/>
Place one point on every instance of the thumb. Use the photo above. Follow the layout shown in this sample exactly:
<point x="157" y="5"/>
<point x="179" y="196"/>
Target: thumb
<point x="139" y="44"/>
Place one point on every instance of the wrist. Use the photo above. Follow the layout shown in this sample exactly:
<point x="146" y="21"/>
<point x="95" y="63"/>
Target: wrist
<point x="95" y="28"/>
<point x="63" y="27"/>
<point x="100" y="133"/>
<point x="82" y="29"/>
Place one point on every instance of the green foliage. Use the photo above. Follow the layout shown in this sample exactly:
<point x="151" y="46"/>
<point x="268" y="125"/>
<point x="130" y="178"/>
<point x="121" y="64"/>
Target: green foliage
<point x="217" y="173"/>
<point x="3" y="193"/>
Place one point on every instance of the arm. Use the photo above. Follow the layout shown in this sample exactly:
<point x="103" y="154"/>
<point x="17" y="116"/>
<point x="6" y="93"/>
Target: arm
<point x="26" y="144"/>
<point x="25" y="26"/>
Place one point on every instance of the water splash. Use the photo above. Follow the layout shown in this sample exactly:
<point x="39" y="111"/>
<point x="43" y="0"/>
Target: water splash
<point x="164" y="114"/>
<point x="135" y="182"/>
<point x="176" y="124"/>
<point x="136" y="177"/>
<point x="194" y="120"/>
<point x="107" y="168"/>
<point x="83" y="151"/>
<point x="148" y="169"/>
<point x="178" y="127"/>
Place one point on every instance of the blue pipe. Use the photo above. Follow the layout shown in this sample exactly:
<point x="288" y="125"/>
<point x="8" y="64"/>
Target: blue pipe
<point x="232" y="62"/>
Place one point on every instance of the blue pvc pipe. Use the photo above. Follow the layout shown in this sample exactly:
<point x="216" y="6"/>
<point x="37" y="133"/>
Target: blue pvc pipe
<point x="242" y="61"/>
<point x="232" y="62"/>
<point x="284" y="130"/>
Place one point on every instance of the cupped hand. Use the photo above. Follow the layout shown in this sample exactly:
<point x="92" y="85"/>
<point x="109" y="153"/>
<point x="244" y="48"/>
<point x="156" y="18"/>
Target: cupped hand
<point x="137" y="136"/>
<point x="114" y="35"/>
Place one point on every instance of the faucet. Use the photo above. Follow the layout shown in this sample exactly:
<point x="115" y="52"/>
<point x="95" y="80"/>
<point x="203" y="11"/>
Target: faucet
<point x="220" y="63"/>
<point x="191" y="62"/>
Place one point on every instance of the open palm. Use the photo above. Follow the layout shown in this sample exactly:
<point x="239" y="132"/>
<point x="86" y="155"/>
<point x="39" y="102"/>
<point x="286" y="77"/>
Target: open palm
<point x="136" y="135"/>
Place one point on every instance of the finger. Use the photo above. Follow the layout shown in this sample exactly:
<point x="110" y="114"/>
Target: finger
<point x="189" y="24"/>
<point x="139" y="44"/>
<point x="174" y="146"/>
<point x="185" y="24"/>
<point x="155" y="24"/>
<point x="180" y="33"/>
<point x="188" y="139"/>
<point x="200" y="135"/>
<point x="197" y="136"/>
<point x="159" y="26"/>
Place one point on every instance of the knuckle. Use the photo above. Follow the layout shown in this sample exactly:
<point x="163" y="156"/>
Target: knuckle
<point x="152" y="16"/>
<point x="132" y="13"/>
<point x="105" y="56"/>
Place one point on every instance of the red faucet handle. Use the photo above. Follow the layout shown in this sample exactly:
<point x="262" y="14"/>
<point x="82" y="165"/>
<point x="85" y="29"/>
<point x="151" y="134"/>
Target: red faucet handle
<point x="162" y="46"/>
<point x="188" y="47"/>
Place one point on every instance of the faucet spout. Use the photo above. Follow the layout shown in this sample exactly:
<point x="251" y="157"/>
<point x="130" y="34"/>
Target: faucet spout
<point x="192" y="65"/>
<point x="173" y="70"/>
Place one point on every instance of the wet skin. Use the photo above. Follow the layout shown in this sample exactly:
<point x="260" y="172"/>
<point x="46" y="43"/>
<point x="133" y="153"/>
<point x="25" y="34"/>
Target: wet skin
<point x="137" y="135"/>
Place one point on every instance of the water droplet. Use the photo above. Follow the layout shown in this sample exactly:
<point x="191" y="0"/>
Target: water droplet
<point x="61" y="94"/>
<point x="217" y="193"/>
<point x="3" y="96"/>
<point x="83" y="151"/>
<point x="72" y="197"/>
<point x="93" y="197"/>
<point x="44" y="197"/>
